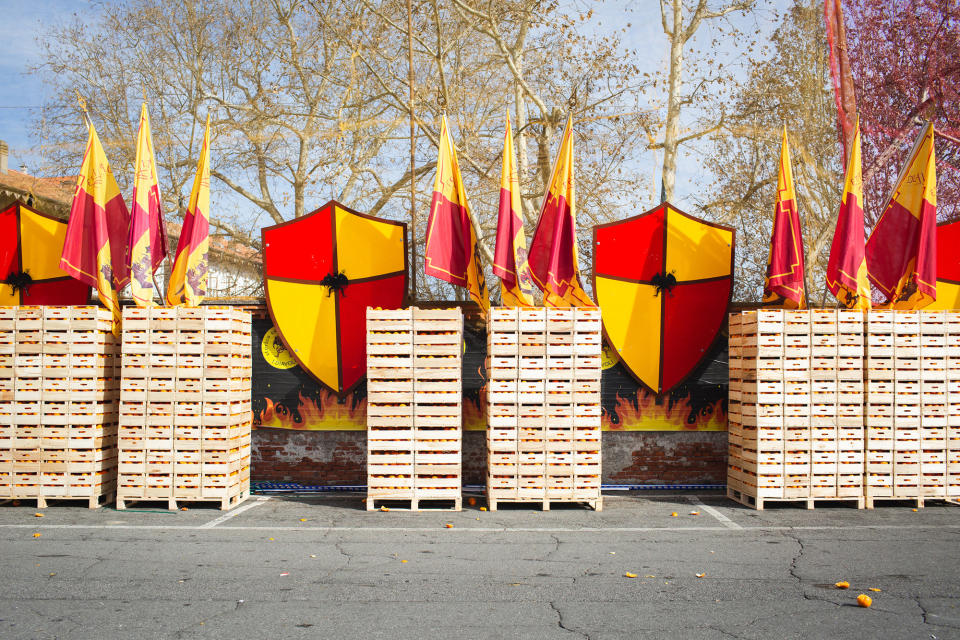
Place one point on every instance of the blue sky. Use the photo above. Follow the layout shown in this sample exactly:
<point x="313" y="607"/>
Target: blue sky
<point x="21" y="94"/>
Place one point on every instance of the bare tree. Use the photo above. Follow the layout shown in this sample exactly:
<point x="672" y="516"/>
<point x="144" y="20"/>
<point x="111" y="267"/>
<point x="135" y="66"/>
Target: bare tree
<point x="310" y="100"/>
<point x="679" y="29"/>
<point x="793" y="89"/>
<point x="474" y="61"/>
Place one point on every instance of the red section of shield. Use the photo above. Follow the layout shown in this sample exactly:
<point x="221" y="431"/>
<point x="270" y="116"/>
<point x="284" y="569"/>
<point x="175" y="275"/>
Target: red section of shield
<point x="301" y="250"/>
<point x="690" y="313"/>
<point x="631" y="249"/>
<point x="948" y="258"/>
<point x="65" y="291"/>
<point x="353" y="321"/>
<point x="9" y="241"/>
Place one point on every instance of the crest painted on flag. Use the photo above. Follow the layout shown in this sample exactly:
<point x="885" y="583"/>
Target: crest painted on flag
<point x="784" y="283"/>
<point x="320" y="274"/>
<point x="451" y="252"/>
<point x="663" y="280"/>
<point x="948" y="268"/>
<point x="94" y="249"/>
<point x="554" y="261"/>
<point x="147" y="242"/>
<point x="30" y="245"/>
<point x="510" y="255"/>
<point x="847" y="267"/>
<point x="188" y="278"/>
<point x="901" y="250"/>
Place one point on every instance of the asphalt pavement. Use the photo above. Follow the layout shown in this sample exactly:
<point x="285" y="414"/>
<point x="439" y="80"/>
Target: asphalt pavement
<point x="323" y="567"/>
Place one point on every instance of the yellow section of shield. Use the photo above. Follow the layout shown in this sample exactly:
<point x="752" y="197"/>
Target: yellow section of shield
<point x="41" y="243"/>
<point x="948" y="297"/>
<point x="8" y="298"/>
<point x="367" y="247"/>
<point x="634" y="313"/>
<point x="308" y="320"/>
<point x="695" y="250"/>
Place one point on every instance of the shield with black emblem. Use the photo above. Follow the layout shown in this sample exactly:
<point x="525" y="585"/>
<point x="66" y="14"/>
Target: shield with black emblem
<point x="321" y="272"/>
<point x="663" y="281"/>
<point x="30" y="246"/>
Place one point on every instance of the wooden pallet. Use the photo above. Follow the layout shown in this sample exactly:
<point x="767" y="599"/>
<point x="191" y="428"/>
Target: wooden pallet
<point x="93" y="502"/>
<point x="915" y="501"/>
<point x="757" y="503"/>
<point x="414" y="504"/>
<point x="595" y="504"/>
<point x="226" y="503"/>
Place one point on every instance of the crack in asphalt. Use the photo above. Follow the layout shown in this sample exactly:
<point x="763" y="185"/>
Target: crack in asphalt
<point x="562" y="625"/>
<point x="923" y="611"/>
<point x="795" y="570"/>
<point x="338" y="545"/>
<point x="725" y="632"/>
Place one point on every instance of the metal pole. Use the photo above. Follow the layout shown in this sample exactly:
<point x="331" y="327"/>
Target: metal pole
<point x="413" y="166"/>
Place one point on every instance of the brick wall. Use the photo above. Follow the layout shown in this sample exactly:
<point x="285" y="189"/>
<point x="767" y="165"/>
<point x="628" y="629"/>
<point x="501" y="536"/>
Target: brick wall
<point x="629" y="457"/>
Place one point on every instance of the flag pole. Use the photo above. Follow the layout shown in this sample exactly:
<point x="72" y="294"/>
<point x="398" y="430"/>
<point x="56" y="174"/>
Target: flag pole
<point x="413" y="166"/>
<point x="83" y="108"/>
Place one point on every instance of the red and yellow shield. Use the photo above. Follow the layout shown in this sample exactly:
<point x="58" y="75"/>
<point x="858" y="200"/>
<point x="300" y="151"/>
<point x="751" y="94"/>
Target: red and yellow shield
<point x="948" y="267"/>
<point x="320" y="273"/>
<point x="663" y="280"/>
<point x="30" y="274"/>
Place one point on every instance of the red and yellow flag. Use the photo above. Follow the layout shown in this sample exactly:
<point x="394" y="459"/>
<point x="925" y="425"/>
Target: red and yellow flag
<point x="902" y="249"/>
<point x="451" y="252"/>
<point x="188" y="279"/>
<point x="510" y="256"/>
<point x="553" y="250"/>
<point x="95" y="245"/>
<point x="783" y="285"/>
<point x="847" y="269"/>
<point x="147" y="241"/>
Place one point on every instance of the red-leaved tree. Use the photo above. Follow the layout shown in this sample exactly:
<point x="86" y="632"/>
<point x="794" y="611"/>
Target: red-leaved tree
<point x="905" y="58"/>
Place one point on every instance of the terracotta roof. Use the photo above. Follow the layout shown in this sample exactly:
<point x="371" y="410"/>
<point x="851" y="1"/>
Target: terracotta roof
<point x="54" y="196"/>
<point x="219" y="245"/>
<point x="51" y="195"/>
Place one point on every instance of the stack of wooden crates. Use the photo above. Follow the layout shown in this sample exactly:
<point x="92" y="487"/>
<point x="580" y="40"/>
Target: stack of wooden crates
<point x="185" y="416"/>
<point x="796" y="406"/>
<point x="58" y="404"/>
<point x="543" y="435"/>
<point x="913" y="405"/>
<point x="414" y="407"/>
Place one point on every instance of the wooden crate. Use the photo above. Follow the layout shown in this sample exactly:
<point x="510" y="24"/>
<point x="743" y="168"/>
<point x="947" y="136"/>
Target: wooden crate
<point x="185" y="416"/>
<point x="414" y="408"/>
<point x="543" y="436"/>
<point x="58" y="404"/>
<point x="796" y="396"/>
<point x="908" y="393"/>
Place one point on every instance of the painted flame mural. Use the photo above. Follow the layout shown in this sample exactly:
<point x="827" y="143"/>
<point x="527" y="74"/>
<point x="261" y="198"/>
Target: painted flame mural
<point x="286" y="397"/>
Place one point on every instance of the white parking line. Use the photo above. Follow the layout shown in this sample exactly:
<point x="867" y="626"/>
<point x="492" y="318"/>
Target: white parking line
<point x="468" y="529"/>
<point x="724" y="520"/>
<point x="234" y="513"/>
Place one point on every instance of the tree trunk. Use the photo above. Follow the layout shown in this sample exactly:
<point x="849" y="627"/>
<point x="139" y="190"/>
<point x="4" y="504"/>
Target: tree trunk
<point x="672" y="131"/>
